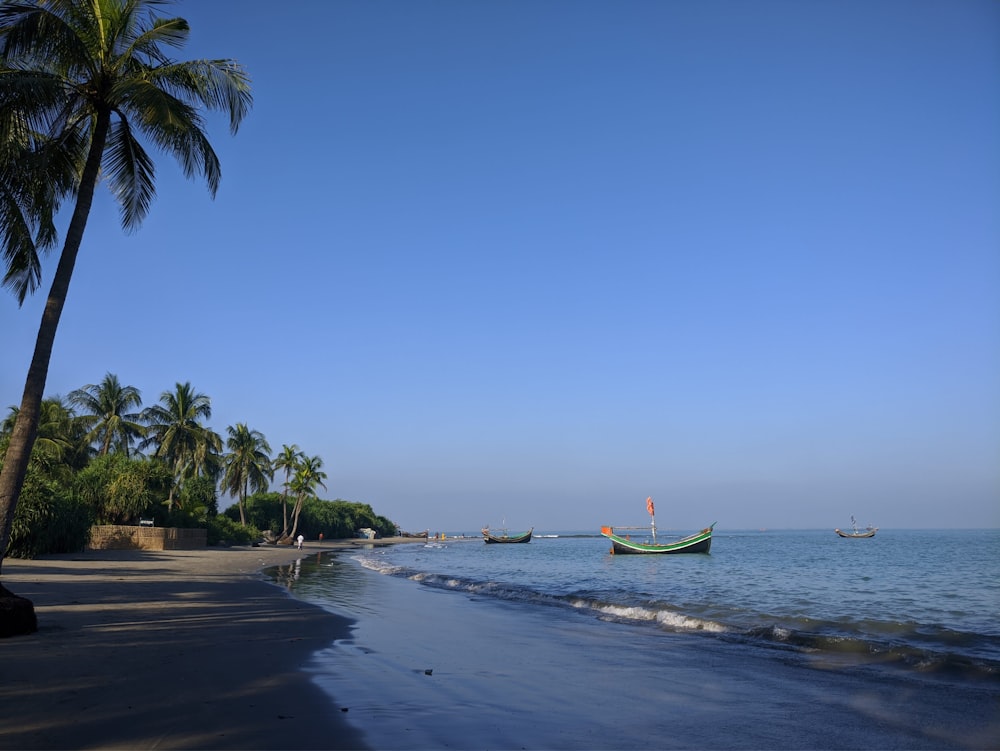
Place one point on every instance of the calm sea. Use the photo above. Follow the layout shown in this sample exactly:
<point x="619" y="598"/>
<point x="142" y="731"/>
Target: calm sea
<point x="506" y="628"/>
<point x="927" y="599"/>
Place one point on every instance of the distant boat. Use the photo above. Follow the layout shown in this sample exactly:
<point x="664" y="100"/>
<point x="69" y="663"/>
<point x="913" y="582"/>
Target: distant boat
<point x="700" y="542"/>
<point x="491" y="538"/>
<point x="868" y="531"/>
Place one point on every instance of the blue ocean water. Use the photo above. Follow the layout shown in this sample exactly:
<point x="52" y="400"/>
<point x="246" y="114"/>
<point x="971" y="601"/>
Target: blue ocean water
<point x="927" y="600"/>
<point x="761" y="644"/>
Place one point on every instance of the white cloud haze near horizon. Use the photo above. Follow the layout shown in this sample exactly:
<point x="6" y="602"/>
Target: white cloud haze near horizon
<point x="535" y="262"/>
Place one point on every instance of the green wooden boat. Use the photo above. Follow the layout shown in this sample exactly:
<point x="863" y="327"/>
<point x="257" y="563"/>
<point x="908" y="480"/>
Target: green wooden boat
<point x="492" y="538"/>
<point x="623" y="544"/>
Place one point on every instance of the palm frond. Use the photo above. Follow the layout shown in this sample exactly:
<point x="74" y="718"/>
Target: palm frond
<point x="220" y="85"/>
<point x="27" y="206"/>
<point x="40" y="37"/>
<point x="18" y="246"/>
<point x="175" y="127"/>
<point x="173" y="32"/>
<point x="130" y="173"/>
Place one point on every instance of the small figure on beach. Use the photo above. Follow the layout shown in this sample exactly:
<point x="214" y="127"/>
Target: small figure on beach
<point x="300" y="539"/>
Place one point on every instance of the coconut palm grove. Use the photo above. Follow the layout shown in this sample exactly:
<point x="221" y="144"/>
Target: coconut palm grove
<point x="102" y="458"/>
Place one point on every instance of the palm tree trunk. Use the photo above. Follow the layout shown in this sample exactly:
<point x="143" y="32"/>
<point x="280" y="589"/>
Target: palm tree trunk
<point x="175" y="481"/>
<point x="295" y="517"/>
<point x="242" y="499"/>
<point x="170" y="493"/>
<point x="22" y="439"/>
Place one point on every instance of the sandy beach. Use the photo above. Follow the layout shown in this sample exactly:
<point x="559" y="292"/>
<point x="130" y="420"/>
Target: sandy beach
<point x="178" y="649"/>
<point x="196" y="650"/>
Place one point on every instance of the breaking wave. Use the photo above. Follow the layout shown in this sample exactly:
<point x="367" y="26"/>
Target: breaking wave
<point x="904" y="645"/>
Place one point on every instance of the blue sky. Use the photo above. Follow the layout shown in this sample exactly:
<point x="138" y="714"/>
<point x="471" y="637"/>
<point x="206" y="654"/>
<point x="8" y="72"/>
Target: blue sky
<point x="535" y="261"/>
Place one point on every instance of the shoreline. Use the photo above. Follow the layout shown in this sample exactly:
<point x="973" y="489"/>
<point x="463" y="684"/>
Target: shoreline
<point x="435" y="665"/>
<point x="169" y="649"/>
<point x="200" y="650"/>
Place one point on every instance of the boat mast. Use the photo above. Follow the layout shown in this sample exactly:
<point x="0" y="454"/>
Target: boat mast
<point x="652" y="517"/>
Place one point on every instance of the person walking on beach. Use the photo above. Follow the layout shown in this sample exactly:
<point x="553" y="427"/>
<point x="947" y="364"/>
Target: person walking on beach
<point x="300" y="540"/>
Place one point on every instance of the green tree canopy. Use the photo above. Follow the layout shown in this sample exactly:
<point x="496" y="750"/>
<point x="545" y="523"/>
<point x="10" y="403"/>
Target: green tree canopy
<point x="247" y="465"/>
<point x="309" y="475"/>
<point x="288" y="460"/>
<point x="106" y="410"/>
<point x="177" y="436"/>
<point x="120" y="490"/>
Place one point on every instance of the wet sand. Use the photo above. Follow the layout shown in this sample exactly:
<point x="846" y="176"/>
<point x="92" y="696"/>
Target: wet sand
<point x="429" y="668"/>
<point x="168" y="650"/>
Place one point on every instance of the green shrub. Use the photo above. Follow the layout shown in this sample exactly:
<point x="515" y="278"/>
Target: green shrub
<point x="121" y="489"/>
<point x="47" y="520"/>
<point x="263" y="510"/>
<point x="224" y="531"/>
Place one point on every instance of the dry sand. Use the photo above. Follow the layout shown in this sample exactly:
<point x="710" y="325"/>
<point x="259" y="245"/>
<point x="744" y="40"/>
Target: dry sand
<point x="173" y="649"/>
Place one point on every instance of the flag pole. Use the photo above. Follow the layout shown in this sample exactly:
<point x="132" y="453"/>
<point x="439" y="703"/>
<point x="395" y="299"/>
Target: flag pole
<point x="652" y="516"/>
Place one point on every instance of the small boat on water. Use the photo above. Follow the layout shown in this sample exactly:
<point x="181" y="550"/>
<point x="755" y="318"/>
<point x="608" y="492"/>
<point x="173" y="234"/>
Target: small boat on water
<point x="491" y="538"/>
<point x="868" y="531"/>
<point x="623" y="544"/>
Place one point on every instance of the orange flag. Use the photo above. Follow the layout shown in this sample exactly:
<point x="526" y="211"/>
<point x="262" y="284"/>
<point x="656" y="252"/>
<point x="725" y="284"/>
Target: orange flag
<point x="649" y="505"/>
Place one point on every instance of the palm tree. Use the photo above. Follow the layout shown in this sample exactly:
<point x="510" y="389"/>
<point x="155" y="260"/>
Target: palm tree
<point x="61" y="446"/>
<point x="308" y="475"/>
<point x="175" y="432"/>
<point x="106" y="413"/>
<point x="207" y="458"/>
<point x="82" y="82"/>
<point x="58" y="435"/>
<point x="247" y="465"/>
<point x="287" y="460"/>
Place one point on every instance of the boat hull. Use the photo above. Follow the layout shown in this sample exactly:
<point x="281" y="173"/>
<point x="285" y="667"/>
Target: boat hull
<point x="696" y="543"/>
<point x="856" y="535"/>
<point x="505" y="539"/>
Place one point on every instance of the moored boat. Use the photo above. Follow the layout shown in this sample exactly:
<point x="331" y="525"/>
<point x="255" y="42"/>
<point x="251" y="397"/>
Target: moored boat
<point x="504" y="537"/>
<point x="623" y="544"/>
<point x="700" y="542"/>
<point x="868" y="531"/>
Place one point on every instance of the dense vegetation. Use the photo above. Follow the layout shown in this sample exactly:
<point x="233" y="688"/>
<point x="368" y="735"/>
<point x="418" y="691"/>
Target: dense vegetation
<point x="101" y="459"/>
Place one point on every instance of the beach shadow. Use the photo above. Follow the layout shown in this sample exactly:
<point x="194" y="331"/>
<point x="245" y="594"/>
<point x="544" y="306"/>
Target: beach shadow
<point x="138" y="657"/>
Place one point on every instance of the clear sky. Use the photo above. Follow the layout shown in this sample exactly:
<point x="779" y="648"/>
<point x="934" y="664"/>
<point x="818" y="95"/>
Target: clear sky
<point x="536" y="260"/>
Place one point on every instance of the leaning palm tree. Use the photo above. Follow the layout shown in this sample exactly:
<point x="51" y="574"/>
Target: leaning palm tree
<point x="106" y="412"/>
<point x="288" y="459"/>
<point x="83" y="84"/>
<point x="247" y="465"/>
<point x="308" y="475"/>
<point x="175" y="433"/>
